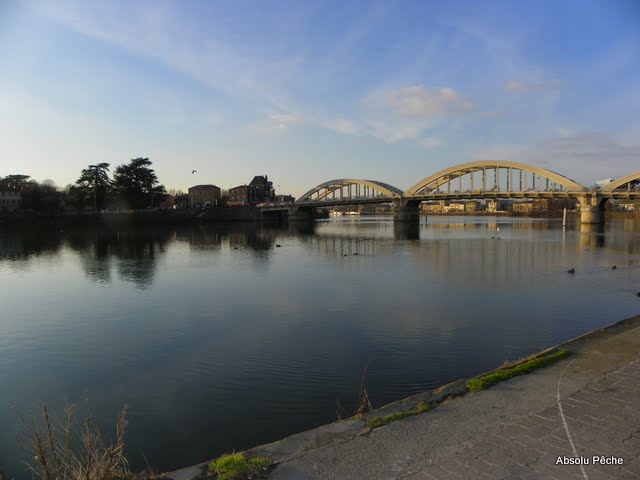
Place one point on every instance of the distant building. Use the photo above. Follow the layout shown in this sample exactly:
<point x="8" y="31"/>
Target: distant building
<point x="383" y="209"/>
<point x="259" y="190"/>
<point x="284" y="199"/>
<point x="471" y="206"/>
<point x="538" y="205"/>
<point x="10" y="199"/>
<point x="541" y="204"/>
<point x="167" y="202"/>
<point x="181" y="201"/>
<point x="433" y="206"/>
<point x="494" y="206"/>
<point x="203" y="195"/>
<point x="454" y="208"/>
<point x="627" y="206"/>
<point x="523" y="207"/>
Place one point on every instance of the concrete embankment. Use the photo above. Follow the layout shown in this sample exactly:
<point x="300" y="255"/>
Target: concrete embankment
<point x="133" y="217"/>
<point x="248" y="214"/>
<point x="578" y="418"/>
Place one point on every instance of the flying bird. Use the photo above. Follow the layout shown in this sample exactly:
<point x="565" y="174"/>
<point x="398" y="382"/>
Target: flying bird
<point x="193" y="171"/>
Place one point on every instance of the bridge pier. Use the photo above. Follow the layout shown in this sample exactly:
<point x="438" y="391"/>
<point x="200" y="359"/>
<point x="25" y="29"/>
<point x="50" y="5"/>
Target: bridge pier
<point x="591" y="215"/>
<point x="404" y="211"/>
<point x="592" y="209"/>
<point x="299" y="214"/>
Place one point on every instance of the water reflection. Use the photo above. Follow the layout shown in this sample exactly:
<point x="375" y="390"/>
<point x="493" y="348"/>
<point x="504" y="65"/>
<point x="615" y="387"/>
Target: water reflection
<point x="345" y="246"/>
<point x="201" y="238"/>
<point x="406" y="231"/>
<point x="21" y="245"/>
<point x="134" y="253"/>
<point x="591" y="236"/>
<point x="219" y="312"/>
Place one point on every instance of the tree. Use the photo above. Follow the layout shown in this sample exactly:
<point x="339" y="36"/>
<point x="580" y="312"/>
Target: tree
<point x="16" y="182"/>
<point x="137" y="184"/>
<point x="96" y="179"/>
<point x="76" y="196"/>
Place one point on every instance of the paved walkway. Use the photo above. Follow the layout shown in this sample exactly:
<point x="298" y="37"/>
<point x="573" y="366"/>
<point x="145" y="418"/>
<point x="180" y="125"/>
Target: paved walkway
<point x="585" y="406"/>
<point x="515" y="430"/>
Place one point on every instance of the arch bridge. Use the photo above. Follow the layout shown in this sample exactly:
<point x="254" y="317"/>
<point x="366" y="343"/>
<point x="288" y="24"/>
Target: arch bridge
<point x="486" y="179"/>
<point x="342" y="190"/>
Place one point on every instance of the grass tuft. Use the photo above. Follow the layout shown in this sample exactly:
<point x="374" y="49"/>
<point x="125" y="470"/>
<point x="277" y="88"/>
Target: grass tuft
<point x="375" y="422"/>
<point x="63" y="450"/>
<point x="486" y="381"/>
<point x="236" y="466"/>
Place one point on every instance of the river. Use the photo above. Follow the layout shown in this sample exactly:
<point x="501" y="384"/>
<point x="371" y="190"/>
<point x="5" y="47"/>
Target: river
<point x="221" y="338"/>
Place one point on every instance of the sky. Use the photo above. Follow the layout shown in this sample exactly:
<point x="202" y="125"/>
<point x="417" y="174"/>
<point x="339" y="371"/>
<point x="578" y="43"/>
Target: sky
<point x="310" y="91"/>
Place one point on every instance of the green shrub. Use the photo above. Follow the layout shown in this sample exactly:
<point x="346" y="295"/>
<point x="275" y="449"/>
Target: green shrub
<point x="376" y="422"/>
<point x="236" y="466"/>
<point x="486" y="381"/>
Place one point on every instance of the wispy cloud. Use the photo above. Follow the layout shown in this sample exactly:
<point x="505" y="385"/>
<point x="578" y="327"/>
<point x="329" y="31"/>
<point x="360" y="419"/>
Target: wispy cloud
<point x="420" y="101"/>
<point x="404" y="114"/>
<point x="158" y="31"/>
<point x="585" y="156"/>
<point x="283" y="119"/>
<point x="275" y="122"/>
<point x="429" y="143"/>
<point x="342" y="125"/>
<point x="514" y="86"/>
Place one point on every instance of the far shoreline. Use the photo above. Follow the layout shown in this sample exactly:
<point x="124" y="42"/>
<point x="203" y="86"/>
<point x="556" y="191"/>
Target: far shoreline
<point x="218" y="215"/>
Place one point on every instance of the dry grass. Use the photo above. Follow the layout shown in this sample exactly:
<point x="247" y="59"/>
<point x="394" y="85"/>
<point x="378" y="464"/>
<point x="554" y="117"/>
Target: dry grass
<point x="363" y="404"/>
<point x="63" y="449"/>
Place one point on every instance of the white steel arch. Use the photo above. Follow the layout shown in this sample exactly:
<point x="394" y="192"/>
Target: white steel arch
<point x="326" y="188"/>
<point x="433" y="182"/>
<point x="619" y="183"/>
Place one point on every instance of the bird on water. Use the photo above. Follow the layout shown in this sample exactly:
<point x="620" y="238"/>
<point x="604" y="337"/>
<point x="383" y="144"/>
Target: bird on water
<point x="571" y="270"/>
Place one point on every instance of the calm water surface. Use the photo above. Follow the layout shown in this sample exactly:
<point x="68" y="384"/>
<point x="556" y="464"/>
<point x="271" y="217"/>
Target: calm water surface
<point x="217" y="339"/>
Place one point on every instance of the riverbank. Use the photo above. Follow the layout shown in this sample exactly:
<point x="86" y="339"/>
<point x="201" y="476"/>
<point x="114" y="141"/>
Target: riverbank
<point x="221" y="214"/>
<point x="577" y="418"/>
<point x="134" y="217"/>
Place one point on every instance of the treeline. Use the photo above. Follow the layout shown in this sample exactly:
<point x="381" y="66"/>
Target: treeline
<point x="134" y="185"/>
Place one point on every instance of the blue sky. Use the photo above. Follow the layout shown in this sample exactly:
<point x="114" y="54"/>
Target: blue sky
<point x="310" y="91"/>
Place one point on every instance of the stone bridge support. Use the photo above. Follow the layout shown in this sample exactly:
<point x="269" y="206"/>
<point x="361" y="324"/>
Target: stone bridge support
<point x="282" y="213"/>
<point x="592" y="209"/>
<point x="406" y="211"/>
<point x="301" y="214"/>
